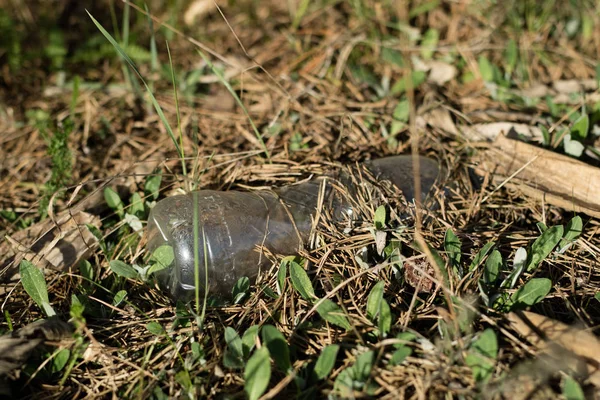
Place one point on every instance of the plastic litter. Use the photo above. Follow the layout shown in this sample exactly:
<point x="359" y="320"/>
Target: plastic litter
<point x="234" y="226"/>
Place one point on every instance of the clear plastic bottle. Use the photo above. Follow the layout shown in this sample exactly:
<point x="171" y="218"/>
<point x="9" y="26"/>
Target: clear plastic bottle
<point x="237" y="225"/>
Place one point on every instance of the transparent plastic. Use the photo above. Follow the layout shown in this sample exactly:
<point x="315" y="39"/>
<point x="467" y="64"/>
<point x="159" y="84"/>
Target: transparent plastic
<point x="235" y="226"/>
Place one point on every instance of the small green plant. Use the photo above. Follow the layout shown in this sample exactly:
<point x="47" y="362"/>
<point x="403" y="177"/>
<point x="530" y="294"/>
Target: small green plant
<point x="35" y="285"/>
<point x="61" y="157"/>
<point x="326" y="308"/>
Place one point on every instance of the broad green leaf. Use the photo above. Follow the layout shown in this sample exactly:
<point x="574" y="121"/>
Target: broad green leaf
<point x="122" y="269"/>
<point x="481" y="255"/>
<point x="152" y="184"/>
<point x="155" y="328"/>
<point x="249" y="339"/>
<point x="486" y="69"/>
<point x="86" y="270"/>
<point x="60" y="360"/>
<point x="531" y="293"/>
<point x="573" y="147"/>
<point x="579" y="130"/>
<point x="380" y="217"/>
<point x="332" y="313"/>
<point x="281" y="274"/>
<point x="374" y="301"/>
<point x="571" y="389"/>
<point x="278" y="347"/>
<point x="543" y="246"/>
<point x="234" y="353"/>
<point x="415" y="77"/>
<point x="119" y="297"/>
<point x="240" y="289"/>
<point x="326" y="361"/>
<point x="385" y="318"/>
<point x="363" y="366"/>
<point x="400" y="355"/>
<point x="113" y="200"/>
<point x="597" y="296"/>
<point x="482" y="355"/>
<point x="392" y="56"/>
<point x="35" y="285"/>
<point x="402" y="111"/>
<point x="257" y="373"/>
<point x="163" y="255"/>
<point x="429" y="43"/>
<point x="572" y="232"/>
<point x="301" y="282"/>
<point x="452" y="245"/>
<point x="136" y="205"/>
<point x="493" y="266"/>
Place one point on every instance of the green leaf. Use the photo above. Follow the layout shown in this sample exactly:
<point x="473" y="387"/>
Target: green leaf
<point x="385" y="318"/>
<point x="155" y="328"/>
<point x="119" y="297"/>
<point x="363" y="366"/>
<point x="136" y="205"/>
<point x="482" y="355"/>
<point x="257" y="373"/>
<point x="400" y="355"/>
<point x="415" y="77"/>
<point x="452" y="245"/>
<point x="240" y="289"/>
<point x="326" y="361"/>
<point x="477" y="260"/>
<point x="380" y="217"/>
<point x="301" y="282"/>
<point x="493" y="266"/>
<point x="511" y="55"/>
<point x="571" y="389"/>
<point x="152" y="184"/>
<point x="122" y="269"/>
<point x="281" y="274"/>
<point x="543" y="246"/>
<point x="35" y="285"/>
<point x="332" y="313"/>
<point x="573" y="147"/>
<point x="163" y="256"/>
<point x="249" y="339"/>
<point x="278" y="347"/>
<point x="429" y="43"/>
<point x="60" y="360"/>
<point x="597" y="296"/>
<point x="374" y="301"/>
<point x="572" y="232"/>
<point x="486" y="69"/>
<point x="86" y="270"/>
<point x="392" y="56"/>
<point x="531" y="293"/>
<point x="234" y="353"/>
<point x="113" y="200"/>
<point x="402" y="111"/>
<point x="579" y="130"/>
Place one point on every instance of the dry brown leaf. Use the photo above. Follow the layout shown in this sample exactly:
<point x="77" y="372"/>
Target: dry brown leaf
<point x="56" y="244"/>
<point x="439" y="118"/>
<point x="544" y="175"/>
<point x="491" y="131"/>
<point x="15" y="347"/>
<point x="560" y="341"/>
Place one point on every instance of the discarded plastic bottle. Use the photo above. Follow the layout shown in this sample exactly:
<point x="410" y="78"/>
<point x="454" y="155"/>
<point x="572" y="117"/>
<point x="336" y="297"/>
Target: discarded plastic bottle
<point x="233" y="226"/>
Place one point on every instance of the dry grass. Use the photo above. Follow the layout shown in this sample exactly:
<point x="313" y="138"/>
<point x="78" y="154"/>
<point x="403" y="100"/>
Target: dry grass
<point x="294" y="81"/>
